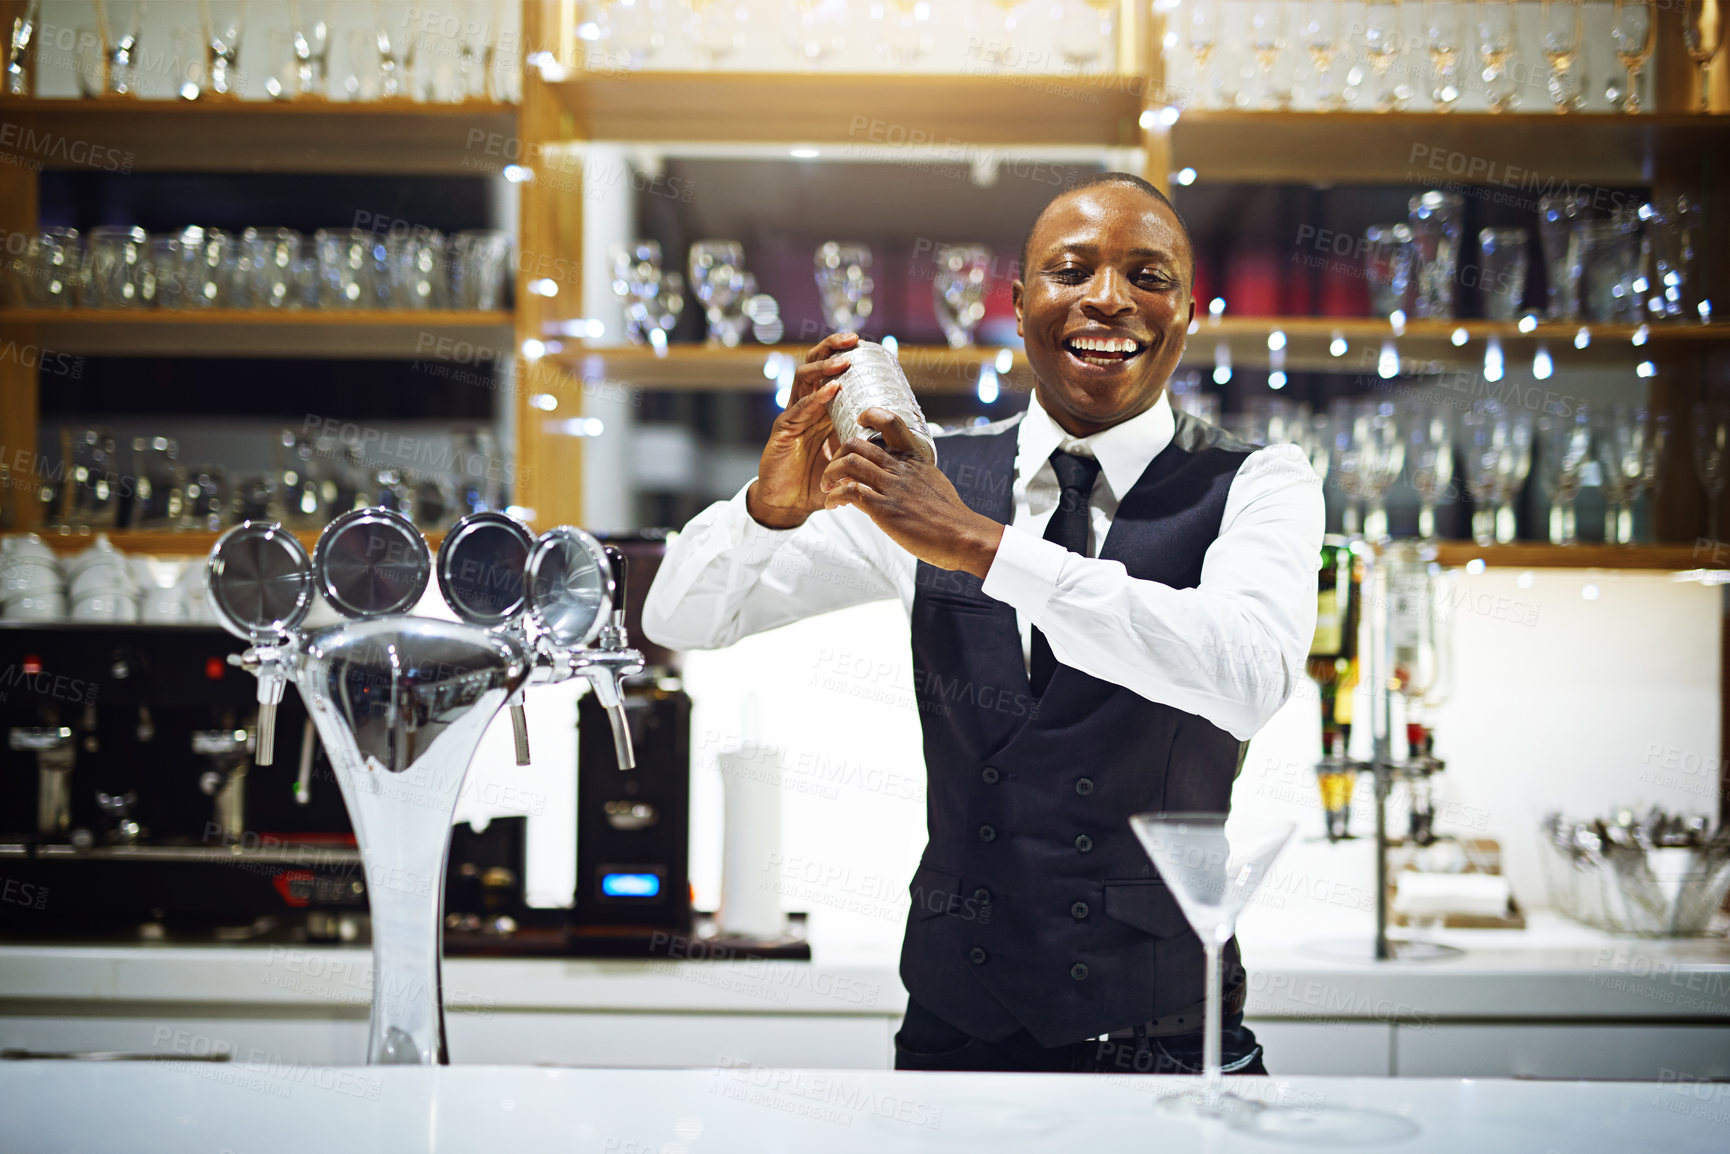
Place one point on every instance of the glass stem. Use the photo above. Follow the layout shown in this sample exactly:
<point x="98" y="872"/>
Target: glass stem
<point x="1484" y="525"/>
<point x="1427" y="520"/>
<point x="1212" y="1081"/>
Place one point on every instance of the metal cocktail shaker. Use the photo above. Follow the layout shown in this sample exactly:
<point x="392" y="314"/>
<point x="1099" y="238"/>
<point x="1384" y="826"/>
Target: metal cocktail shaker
<point x="874" y="380"/>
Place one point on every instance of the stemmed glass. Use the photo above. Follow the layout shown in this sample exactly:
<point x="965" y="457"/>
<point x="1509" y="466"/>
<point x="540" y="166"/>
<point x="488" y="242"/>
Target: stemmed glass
<point x="1201" y="27"/>
<point x="19" y="36"/>
<point x="1632" y="28"/>
<point x="1712" y="456"/>
<point x="1381" y="457"/>
<point x="717" y="269"/>
<point x="636" y="282"/>
<point x="1086" y="31"/>
<point x="844" y="284"/>
<point x="958" y="290"/>
<point x="223" y="21"/>
<point x="1496" y="445"/>
<point x="1703" y="35"/>
<point x="1212" y="870"/>
<point x="1384" y="40"/>
<point x="907" y="32"/>
<point x="1565" y="450"/>
<point x="1495" y="47"/>
<point x="1445" y="30"/>
<point x="1430" y="461"/>
<point x="1563" y="26"/>
<point x="312" y="22"/>
<point x="1267" y="41"/>
<point x="1621" y="442"/>
<point x="633" y="28"/>
<point x="816" y="29"/>
<point x="1319" y="29"/>
<point x="998" y="43"/>
<point x="1654" y="451"/>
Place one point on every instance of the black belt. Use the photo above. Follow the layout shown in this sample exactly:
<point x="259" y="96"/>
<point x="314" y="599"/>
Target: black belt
<point x="1185" y="1021"/>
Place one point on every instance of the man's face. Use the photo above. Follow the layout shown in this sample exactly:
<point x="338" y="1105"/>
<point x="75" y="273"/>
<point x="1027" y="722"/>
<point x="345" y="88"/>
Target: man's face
<point x="1104" y="305"/>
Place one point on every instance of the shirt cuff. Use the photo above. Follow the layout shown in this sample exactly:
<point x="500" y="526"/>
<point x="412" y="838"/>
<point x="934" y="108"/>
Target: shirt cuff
<point x="747" y="530"/>
<point x="1025" y="572"/>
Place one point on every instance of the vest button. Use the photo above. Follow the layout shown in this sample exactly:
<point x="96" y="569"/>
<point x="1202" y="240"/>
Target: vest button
<point x="1083" y="843"/>
<point x="1078" y="972"/>
<point x="1078" y="910"/>
<point x="1084" y="786"/>
<point x="986" y="833"/>
<point x="982" y="896"/>
<point x="990" y="774"/>
<point x="977" y="956"/>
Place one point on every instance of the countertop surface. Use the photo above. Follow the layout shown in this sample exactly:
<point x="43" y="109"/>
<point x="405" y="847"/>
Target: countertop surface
<point x="1553" y="969"/>
<point x="162" y="1106"/>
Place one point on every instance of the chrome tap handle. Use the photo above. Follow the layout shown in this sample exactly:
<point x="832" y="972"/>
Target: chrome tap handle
<point x="520" y="727"/>
<point x="613" y="635"/>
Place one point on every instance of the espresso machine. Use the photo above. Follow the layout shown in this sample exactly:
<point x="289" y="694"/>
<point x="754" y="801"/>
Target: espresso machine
<point x="129" y="793"/>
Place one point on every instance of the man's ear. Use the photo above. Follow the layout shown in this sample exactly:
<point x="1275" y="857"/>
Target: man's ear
<point x="1015" y="297"/>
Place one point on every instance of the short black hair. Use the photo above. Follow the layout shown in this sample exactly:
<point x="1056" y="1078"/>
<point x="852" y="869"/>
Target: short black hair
<point x="1133" y="181"/>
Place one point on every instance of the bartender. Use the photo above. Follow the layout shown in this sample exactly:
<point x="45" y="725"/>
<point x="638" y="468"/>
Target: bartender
<point x="1108" y="599"/>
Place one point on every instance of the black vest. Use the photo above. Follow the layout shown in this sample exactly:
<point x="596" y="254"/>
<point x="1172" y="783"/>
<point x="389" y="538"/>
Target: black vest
<point x="1034" y="906"/>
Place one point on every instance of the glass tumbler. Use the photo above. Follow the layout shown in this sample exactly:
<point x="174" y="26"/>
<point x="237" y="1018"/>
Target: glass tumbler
<point x="419" y="278"/>
<point x="1504" y="259"/>
<point x="347" y="278"/>
<point x="480" y="260"/>
<point x="53" y="260"/>
<point x="268" y="269"/>
<point x="1435" y="223"/>
<point x="1388" y="267"/>
<point x="164" y="277"/>
<point x="1608" y="256"/>
<point x="1559" y="220"/>
<point x="113" y="267"/>
<point x="208" y="256"/>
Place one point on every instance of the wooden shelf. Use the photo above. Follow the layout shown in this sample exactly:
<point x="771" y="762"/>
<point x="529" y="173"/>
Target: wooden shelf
<point x="1518" y="155"/>
<point x="1428" y="346"/>
<point x="168" y="544"/>
<point x="957" y="112"/>
<point x="1538" y="555"/>
<point x="118" y="135"/>
<point x="457" y="336"/>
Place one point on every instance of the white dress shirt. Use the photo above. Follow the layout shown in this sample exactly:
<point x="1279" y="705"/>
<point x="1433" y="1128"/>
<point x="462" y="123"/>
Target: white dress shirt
<point x="1230" y="650"/>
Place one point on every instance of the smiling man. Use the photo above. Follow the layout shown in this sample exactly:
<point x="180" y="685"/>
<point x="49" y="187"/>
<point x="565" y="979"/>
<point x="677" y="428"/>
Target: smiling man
<point x="1108" y="599"/>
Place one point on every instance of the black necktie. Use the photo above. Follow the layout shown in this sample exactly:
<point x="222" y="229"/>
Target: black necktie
<point x="1068" y="527"/>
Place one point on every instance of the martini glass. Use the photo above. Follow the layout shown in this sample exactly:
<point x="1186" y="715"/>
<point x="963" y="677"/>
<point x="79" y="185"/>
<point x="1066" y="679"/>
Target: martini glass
<point x="1212" y="871"/>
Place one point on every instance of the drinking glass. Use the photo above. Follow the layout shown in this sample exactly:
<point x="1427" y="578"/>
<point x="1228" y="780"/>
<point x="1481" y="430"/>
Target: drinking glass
<point x="636" y="280"/>
<point x="1563" y="31"/>
<point x="91" y="494"/>
<point x="664" y="310"/>
<point x="23" y="31"/>
<point x="1703" y="35"/>
<point x="1319" y="30"/>
<point x="312" y="22"/>
<point x="1654" y="452"/>
<point x="206" y="498"/>
<point x="1201" y="30"/>
<point x="1515" y="467"/>
<point x="844" y="284"/>
<point x="1712" y="456"/>
<point x="396" y="44"/>
<point x="1435" y="223"/>
<point x="186" y="61"/>
<point x="1496" y="27"/>
<point x="224" y="23"/>
<point x="90" y="63"/>
<point x="1429" y="438"/>
<point x="1632" y="27"/>
<point x="998" y="22"/>
<point x="1445" y="31"/>
<point x="1504" y="256"/>
<point x="716" y="28"/>
<point x="1384" y="42"/>
<point x="1380" y="450"/>
<point x="633" y="30"/>
<point x="1620" y="440"/>
<point x="53" y="267"/>
<point x="959" y="288"/>
<point x="158" y="483"/>
<point x="1267" y="41"/>
<point x="112" y="271"/>
<point x="1496" y="448"/>
<point x="417" y="270"/>
<point x="480" y="262"/>
<point x="300" y="480"/>
<point x="281" y="66"/>
<point x="1565" y="451"/>
<point x="902" y="30"/>
<point x="209" y="262"/>
<point x="163" y="278"/>
<point x="1559" y="220"/>
<point x="717" y="272"/>
<point x="122" y="20"/>
<point x="1086" y="31"/>
<point x="1674" y="235"/>
<point x="269" y="269"/>
<point x="1212" y="868"/>
<point x="358" y="67"/>
<point x="347" y="277"/>
<point x="1608" y="255"/>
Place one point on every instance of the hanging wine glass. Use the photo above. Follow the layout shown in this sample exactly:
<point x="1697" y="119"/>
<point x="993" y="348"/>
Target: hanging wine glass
<point x="1633" y="24"/>
<point x="716" y="28"/>
<point x="1563" y="27"/>
<point x="1495" y="27"/>
<point x="1319" y="30"/>
<point x="1201" y="31"/>
<point x="1445" y="29"/>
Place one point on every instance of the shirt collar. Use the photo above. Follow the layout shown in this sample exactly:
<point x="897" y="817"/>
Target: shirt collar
<point x="1124" y="451"/>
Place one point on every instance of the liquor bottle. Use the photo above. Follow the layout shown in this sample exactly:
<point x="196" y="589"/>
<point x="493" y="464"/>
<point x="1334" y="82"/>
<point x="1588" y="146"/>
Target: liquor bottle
<point x="1333" y="666"/>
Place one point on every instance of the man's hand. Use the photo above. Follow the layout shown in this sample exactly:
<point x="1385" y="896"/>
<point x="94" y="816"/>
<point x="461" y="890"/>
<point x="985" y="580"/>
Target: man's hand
<point x="909" y="499"/>
<point x="802" y="441"/>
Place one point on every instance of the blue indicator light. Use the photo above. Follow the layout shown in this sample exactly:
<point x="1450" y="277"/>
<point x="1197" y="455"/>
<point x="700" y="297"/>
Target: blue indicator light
<point x="630" y="885"/>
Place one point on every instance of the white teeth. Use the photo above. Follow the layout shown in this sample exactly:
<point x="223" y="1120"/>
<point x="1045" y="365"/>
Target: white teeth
<point x="1096" y="345"/>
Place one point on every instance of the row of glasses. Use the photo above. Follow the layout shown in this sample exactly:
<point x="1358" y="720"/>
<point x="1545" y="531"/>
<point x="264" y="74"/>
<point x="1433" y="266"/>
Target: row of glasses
<point x="1410" y="49"/>
<point x="123" y="266"/>
<point x="1617" y="448"/>
<point x="1642" y="264"/>
<point x="314" y="478"/>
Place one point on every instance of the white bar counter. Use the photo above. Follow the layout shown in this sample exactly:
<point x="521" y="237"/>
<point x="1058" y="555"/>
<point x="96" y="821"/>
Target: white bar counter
<point x="173" y="1107"/>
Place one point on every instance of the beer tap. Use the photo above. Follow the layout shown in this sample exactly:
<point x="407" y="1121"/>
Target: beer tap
<point x="53" y="746"/>
<point x="261" y="584"/>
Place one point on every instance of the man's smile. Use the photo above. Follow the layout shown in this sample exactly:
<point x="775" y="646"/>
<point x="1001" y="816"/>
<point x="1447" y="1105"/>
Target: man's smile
<point x="1106" y="351"/>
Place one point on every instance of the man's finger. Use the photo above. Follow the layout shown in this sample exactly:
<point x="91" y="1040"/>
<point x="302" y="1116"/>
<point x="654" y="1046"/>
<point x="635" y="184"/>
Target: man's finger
<point x="810" y="409"/>
<point x="830" y="345"/>
<point x="856" y="467"/>
<point x="807" y="379"/>
<point x="870" y="451"/>
<point x="896" y="435"/>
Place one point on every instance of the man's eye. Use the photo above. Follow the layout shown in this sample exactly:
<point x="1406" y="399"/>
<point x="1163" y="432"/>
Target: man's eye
<point x="1158" y="278"/>
<point x="1067" y="275"/>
